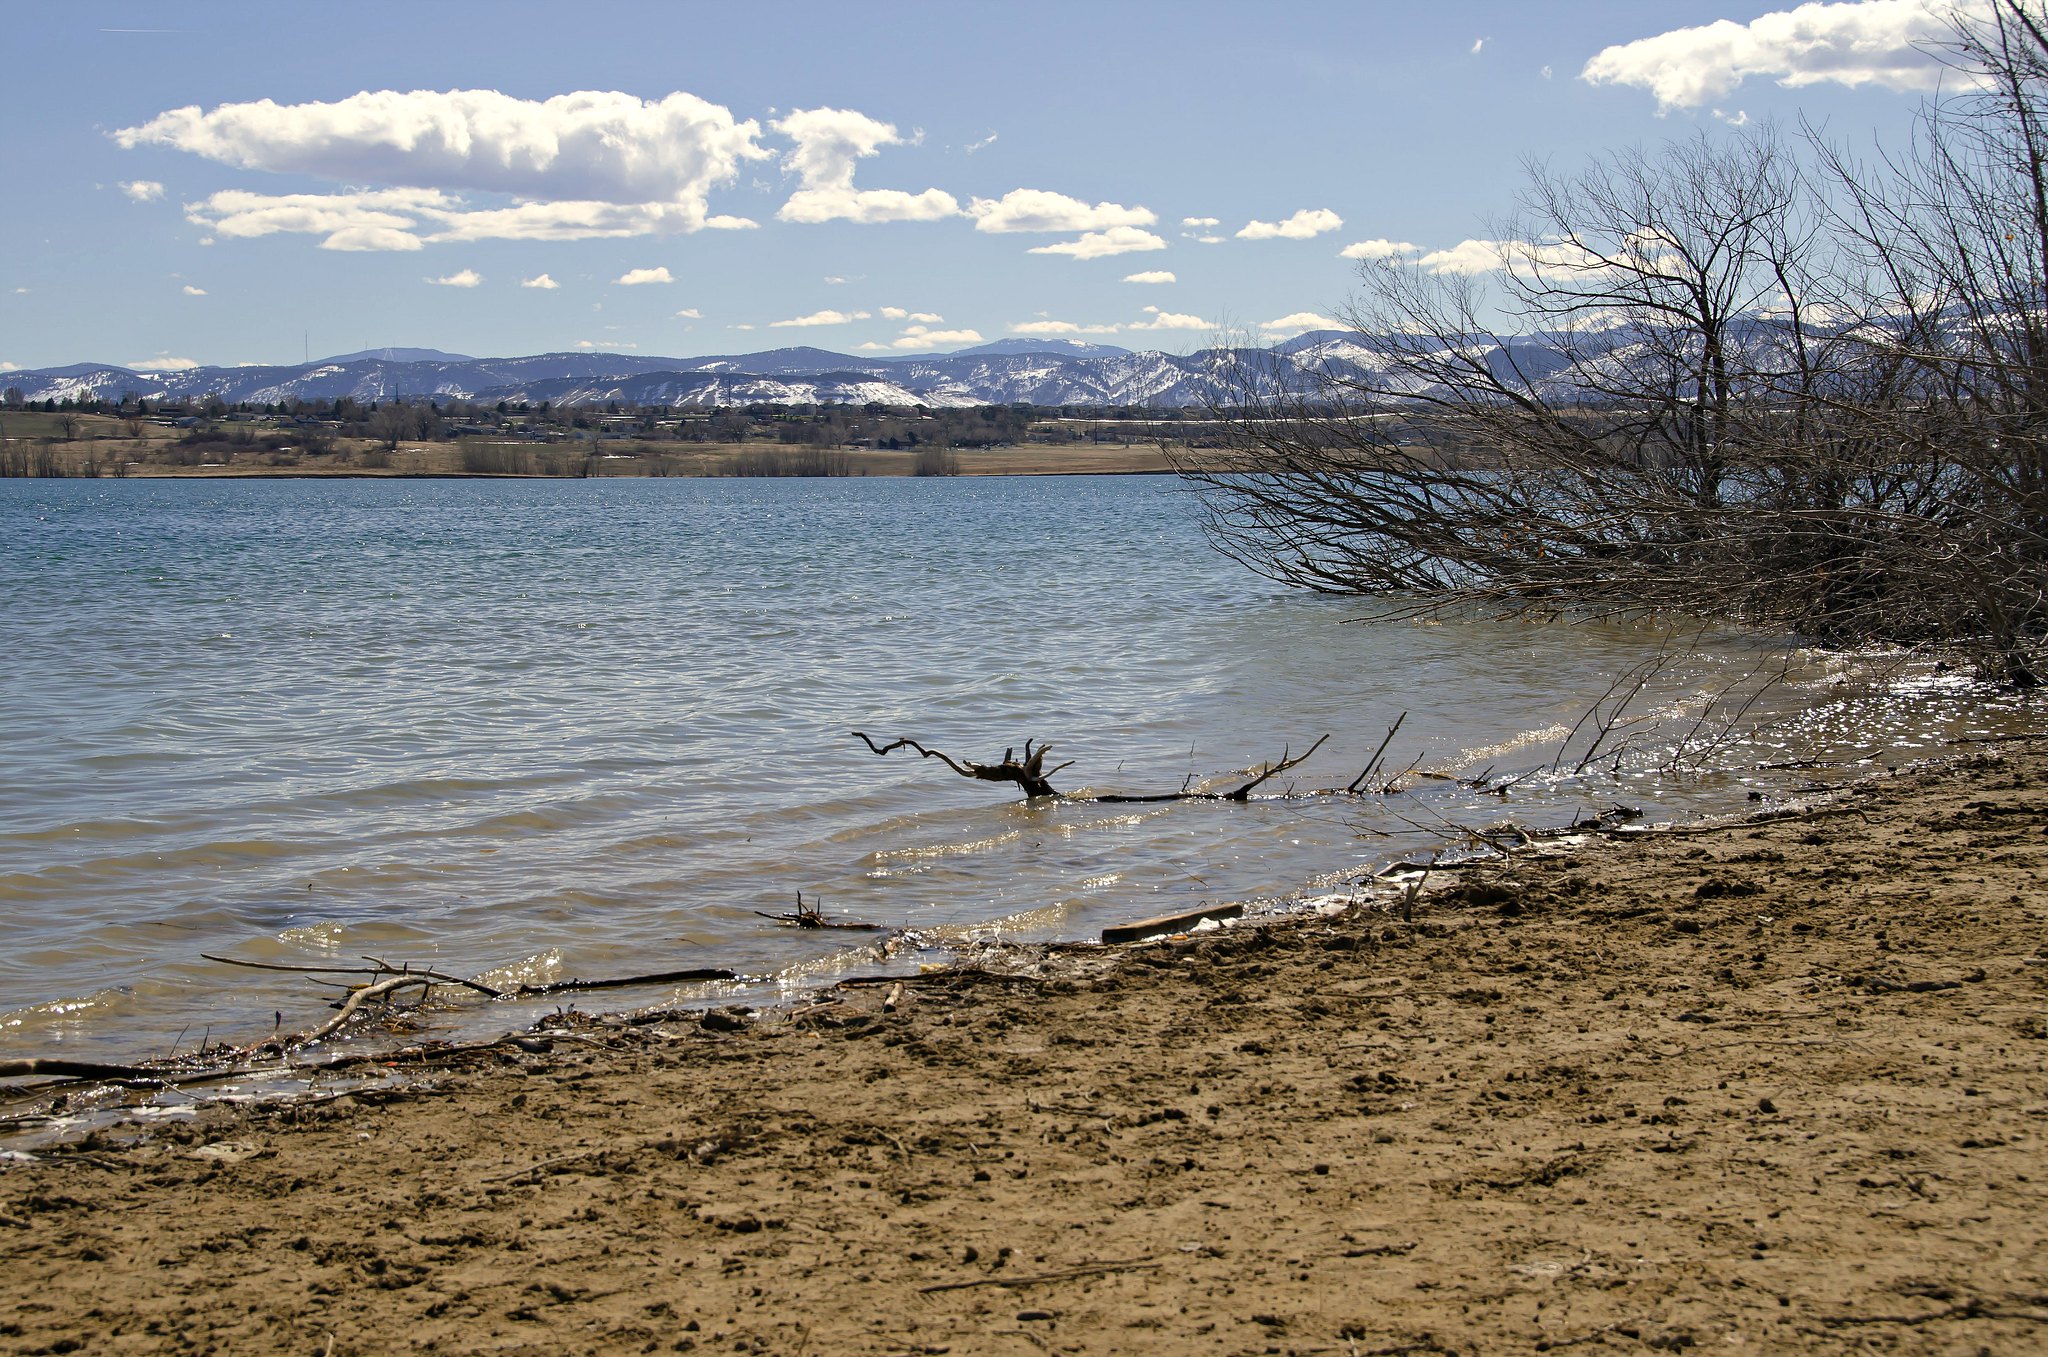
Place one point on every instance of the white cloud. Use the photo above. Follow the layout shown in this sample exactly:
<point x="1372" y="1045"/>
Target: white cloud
<point x="725" y="223"/>
<point x="657" y="159"/>
<point x="1202" y="240"/>
<point x="1310" y="221"/>
<point x="1152" y="276"/>
<point x="819" y="318"/>
<point x="9" y="367"/>
<point x="1169" y="320"/>
<point x="742" y="326"/>
<point x="1739" y="118"/>
<point x="689" y="313"/>
<point x="1101" y="244"/>
<point x="1201" y="221"/>
<point x="540" y="280"/>
<point x="1377" y="249"/>
<point x="1060" y="327"/>
<point x="375" y="219"/>
<point x="1300" y="321"/>
<point x="642" y="277"/>
<point x="580" y="219"/>
<point x="1545" y="73"/>
<point x="1477" y="45"/>
<point x="192" y="291"/>
<point x="163" y="363"/>
<point x="894" y="313"/>
<point x="1881" y="42"/>
<point x="1466" y="257"/>
<point x="142" y="190"/>
<point x="829" y="142"/>
<point x="466" y="278"/>
<point x="1035" y="209"/>
<point x="1525" y="257"/>
<point x="918" y="337"/>
<point x="981" y="145"/>
<point x="920" y="317"/>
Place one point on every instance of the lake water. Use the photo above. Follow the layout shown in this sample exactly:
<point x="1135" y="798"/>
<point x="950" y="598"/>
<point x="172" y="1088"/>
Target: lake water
<point x="541" y="729"/>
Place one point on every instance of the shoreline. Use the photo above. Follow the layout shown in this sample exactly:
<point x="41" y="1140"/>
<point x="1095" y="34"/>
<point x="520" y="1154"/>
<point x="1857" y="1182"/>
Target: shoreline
<point x="1771" y="1082"/>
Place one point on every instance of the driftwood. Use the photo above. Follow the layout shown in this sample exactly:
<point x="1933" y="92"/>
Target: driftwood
<point x="807" y="915"/>
<point x="1031" y="775"/>
<point x="82" y="1069"/>
<point x="220" y="1062"/>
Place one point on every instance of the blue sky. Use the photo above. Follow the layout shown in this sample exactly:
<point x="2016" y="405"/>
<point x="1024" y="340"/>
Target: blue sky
<point x="235" y="182"/>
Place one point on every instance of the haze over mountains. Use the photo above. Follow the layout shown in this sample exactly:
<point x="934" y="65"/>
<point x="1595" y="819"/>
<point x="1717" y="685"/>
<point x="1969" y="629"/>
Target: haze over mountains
<point x="1045" y="372"/>
<point x="1037" y="371"/>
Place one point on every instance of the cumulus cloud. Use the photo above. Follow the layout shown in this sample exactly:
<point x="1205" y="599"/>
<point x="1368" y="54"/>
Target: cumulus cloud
<point x="819" y="318"/>
<point x="920" y="337"/>
<point x="642" y="277"/>
<point x="1169" y="320"/>
<point x="540" y="280"/>
<point x="1466" y="257"/>
<point x="163" y="363"/>
<point x="1377" y="249"/>
<point x="728" y="223"/>
<point x="920" y="317"/>
<point x="653" y="161"/>
<point x="142" y="190"/>
<point x="1310" y="221"/>
<point x="1878" y="42"/>
<point x="689" y="313"/>
<point x="1035" y="209"/>
<point x="1299" y="321"/>
<point x="1060" y="327"/>
<point x="374" y="219"/>
<point x="829" y="143"/>
<point x="1201" y="221"/>
<point x="466" y="278"/>
<point x="1101" y="244"/>
<point x="192" y="291"/>
<point x="1152" y="276"/>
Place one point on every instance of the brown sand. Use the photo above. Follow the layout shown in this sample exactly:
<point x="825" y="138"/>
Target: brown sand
<point x="1776" y="1087"/>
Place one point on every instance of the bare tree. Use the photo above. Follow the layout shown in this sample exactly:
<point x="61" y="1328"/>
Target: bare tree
<point x="1706" y="379"/>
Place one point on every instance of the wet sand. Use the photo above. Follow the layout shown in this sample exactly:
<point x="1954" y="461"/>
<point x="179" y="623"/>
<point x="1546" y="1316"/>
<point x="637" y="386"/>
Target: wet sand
<point x="1774" y="1087"/>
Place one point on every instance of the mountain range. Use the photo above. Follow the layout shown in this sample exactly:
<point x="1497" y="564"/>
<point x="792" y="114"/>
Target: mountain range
<point x="1038" y="371"/>
<point x="1043" y="372"/>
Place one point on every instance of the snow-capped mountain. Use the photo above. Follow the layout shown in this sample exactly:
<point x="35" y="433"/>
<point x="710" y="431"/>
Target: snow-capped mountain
<point x="1041" y="372"/>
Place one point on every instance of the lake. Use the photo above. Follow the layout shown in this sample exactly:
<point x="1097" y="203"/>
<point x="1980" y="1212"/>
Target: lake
<point x="541" y="729"/>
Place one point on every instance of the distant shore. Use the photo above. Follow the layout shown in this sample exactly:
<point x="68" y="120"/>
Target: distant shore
<point x="440" y="461"/>
<point x="1774" y="1085"/>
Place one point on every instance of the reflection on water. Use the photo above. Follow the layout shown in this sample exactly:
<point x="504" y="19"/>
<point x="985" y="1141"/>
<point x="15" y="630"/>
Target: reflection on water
<point x="592" y="728"/>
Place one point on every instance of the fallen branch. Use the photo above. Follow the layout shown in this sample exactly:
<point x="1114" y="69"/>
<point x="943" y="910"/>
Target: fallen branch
<point x="628" y="981"/>
<point x="810" y="916"/>
<point x="1029" y="774"/>
<point x="82" y="1069"/>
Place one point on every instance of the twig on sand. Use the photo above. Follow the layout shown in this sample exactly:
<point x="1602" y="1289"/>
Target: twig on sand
<point x="1033" y="1279"/>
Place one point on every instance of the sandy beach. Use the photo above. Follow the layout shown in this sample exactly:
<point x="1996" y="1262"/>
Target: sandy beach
<point x="1775" y="1086"/>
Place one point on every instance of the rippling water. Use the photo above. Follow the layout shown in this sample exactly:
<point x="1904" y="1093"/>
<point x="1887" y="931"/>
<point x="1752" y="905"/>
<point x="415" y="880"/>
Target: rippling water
<point x="589" y="728"/>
